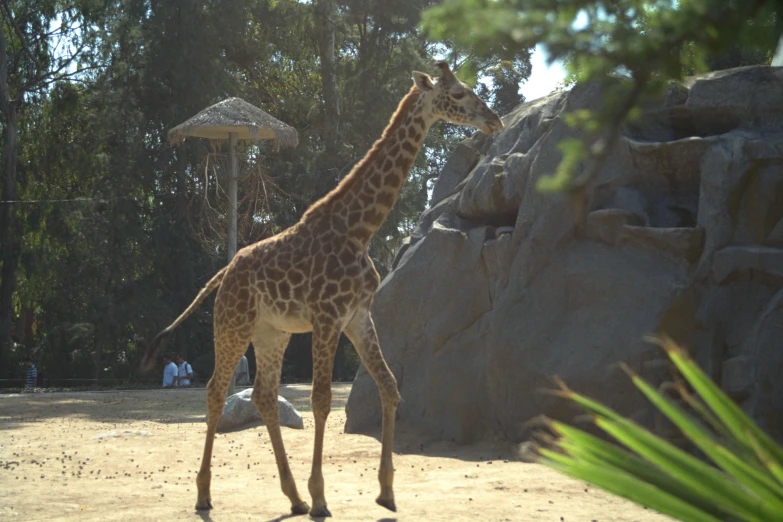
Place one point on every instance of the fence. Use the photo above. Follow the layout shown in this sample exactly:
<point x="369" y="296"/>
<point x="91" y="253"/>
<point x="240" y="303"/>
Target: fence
<point x="56" y="382"/>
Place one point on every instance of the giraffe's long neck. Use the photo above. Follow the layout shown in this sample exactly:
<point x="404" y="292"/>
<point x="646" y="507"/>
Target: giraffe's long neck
<point x="364" y="198"/>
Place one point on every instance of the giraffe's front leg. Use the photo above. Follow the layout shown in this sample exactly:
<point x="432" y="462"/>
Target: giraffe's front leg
<point x="325" y="339"/>
<point x="361" y="332"/>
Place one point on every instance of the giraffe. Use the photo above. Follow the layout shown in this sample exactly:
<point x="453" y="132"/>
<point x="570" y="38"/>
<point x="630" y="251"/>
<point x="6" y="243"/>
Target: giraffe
<point x="317" y="276"/>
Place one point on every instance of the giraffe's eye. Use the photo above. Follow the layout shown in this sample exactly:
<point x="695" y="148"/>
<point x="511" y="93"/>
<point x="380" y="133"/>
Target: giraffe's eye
<point x="458" y="95"/>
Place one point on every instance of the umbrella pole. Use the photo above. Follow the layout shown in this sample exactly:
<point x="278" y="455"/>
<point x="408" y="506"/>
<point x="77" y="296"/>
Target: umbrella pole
<point x="232" y="197"/>
<point x="232" y="215"/>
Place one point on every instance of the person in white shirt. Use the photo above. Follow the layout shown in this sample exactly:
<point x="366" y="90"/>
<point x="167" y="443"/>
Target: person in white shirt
<point x="242" y="373"/>
<point x="169" y="372"/>
<point x="184" y="371"/>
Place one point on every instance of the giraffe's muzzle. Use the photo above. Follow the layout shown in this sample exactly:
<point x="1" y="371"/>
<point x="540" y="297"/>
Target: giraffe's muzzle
<point x="493" y="126"/>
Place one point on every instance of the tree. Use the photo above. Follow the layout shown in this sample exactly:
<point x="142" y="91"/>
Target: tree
<point x="41" y="42"/>
<point x="324" y="11"/>
<point x="109" y="241"/>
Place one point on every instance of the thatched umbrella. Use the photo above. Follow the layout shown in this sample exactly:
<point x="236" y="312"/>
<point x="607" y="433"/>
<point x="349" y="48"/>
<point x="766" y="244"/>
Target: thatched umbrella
<point x="235" y="119"/>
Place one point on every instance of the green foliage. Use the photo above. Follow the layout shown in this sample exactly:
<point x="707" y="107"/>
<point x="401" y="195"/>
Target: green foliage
<point x="744" y="481"/>
<point x="649" y="44"/>
<point x="122" y="229"/>
<point x="574" y="152"/>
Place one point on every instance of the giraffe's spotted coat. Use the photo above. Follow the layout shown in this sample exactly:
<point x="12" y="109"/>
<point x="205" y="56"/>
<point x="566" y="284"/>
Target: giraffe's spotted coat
<point x="317" y="276"/>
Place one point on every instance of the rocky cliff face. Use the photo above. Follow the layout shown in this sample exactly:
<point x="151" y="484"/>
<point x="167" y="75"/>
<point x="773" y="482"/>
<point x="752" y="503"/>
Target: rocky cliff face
<point x="495" y="293"/>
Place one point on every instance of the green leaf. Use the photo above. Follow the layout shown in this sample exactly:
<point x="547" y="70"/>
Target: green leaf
<point x="748" y="472"/>
<point x="574" y="152"/>
<point x="707" y="414"/>
<point x="468" y="72"/>
<point x="620" y="483"/>
<point x="584" y="446"/>
<point x="688" y="469"/>
<point x="585" y="402"/>
<point x="774" y="467"/>
<point x="732" y="416"/>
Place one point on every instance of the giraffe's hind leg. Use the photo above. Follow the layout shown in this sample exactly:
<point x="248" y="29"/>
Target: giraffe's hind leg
<point x="361" y="332"/>
<point x="270" y="345"/>
<point x="228" y="351"/>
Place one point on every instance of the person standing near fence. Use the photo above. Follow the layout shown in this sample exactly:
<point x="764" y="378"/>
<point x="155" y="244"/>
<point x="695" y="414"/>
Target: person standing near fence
<point x="242" y="373"/>
<point x="169" y="372"/>
<point x="32" y="373"/>
<point x="184" y="371"/>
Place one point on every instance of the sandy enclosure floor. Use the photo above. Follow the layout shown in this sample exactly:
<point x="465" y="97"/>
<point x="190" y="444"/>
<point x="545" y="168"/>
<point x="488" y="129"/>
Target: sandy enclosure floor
<point x="134" y="456"/>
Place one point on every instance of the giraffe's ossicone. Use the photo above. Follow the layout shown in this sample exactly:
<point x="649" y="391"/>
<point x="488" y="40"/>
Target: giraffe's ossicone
<point x="317" y="276"/>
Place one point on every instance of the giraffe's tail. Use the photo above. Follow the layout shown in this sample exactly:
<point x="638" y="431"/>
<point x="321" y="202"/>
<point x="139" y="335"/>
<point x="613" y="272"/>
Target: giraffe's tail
<point x="160" y="340"/>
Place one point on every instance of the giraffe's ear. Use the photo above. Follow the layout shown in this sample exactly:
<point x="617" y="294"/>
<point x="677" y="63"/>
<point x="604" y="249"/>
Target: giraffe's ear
<point x="423" y="81"/>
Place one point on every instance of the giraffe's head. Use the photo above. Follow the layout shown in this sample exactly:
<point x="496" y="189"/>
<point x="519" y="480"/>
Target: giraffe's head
<point x="455" y="102"/>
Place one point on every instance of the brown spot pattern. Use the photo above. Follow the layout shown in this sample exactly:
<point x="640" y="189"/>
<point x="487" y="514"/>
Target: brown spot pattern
<point x="318" y="273"/>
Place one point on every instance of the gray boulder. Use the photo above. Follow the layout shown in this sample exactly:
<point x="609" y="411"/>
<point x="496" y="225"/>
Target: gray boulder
<point x="240" y="412"/>
<point x="496" y="293"/>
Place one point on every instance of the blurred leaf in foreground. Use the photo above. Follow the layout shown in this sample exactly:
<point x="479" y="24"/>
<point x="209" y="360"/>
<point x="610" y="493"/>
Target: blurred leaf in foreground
<point x="741" y="480"/>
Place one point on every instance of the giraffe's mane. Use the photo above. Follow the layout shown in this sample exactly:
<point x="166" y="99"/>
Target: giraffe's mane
<point x="347" y="182"/>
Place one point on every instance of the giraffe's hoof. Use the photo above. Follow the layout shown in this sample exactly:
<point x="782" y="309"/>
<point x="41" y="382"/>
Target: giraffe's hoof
<point x="320" y="512"/>
<point x="388" y="503"/>
<point x="300" y="509"/>
<point x="203" y="505"/>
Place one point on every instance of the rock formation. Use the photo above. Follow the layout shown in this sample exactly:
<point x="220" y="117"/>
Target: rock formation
<point x="239" y="412"/>
<point x="495" y="293"/>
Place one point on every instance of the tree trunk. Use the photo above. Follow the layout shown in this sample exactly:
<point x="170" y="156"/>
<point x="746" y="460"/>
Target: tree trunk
<point x="10" y="235"/>
<point x="182" y="187"/>
<point x="98" y="354"/>
<point x="331" y="116"/>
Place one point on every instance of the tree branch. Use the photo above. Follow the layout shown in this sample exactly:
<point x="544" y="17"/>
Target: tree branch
<point x="49" y="79"/>
<point x="20" y="35"/>
<point x="54" y="74"/>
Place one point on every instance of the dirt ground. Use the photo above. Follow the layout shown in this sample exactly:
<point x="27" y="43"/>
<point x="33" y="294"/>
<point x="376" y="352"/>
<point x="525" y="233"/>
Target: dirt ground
<point x="134" y="455"/>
